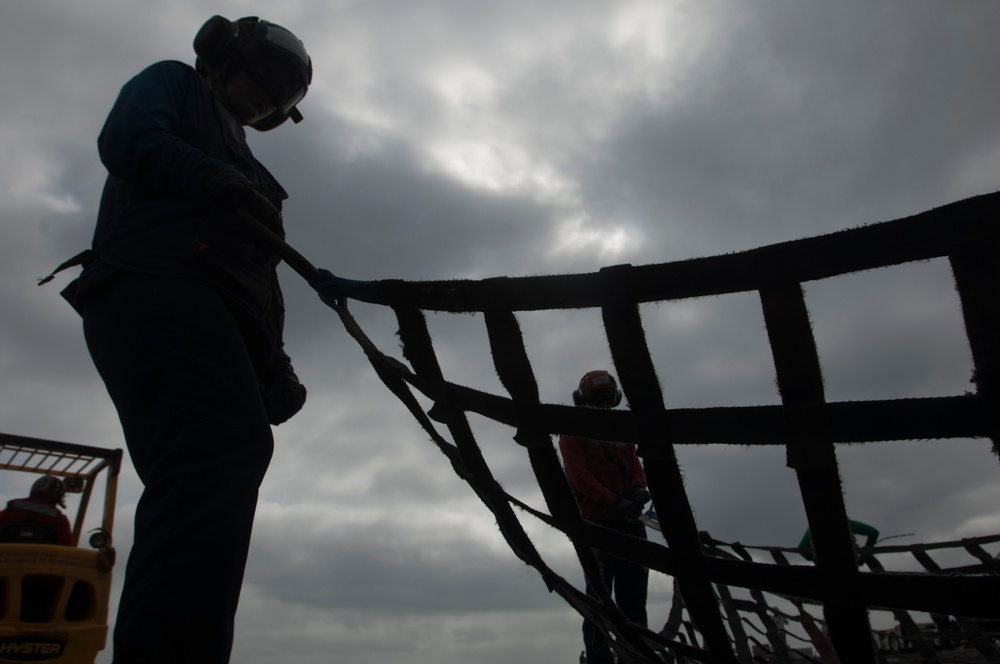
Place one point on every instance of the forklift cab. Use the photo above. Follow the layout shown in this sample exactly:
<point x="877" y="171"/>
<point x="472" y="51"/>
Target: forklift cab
<point x="54" y="597"/>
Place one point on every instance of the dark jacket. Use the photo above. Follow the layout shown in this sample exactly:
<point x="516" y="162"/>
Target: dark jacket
<point x="166" y="133"/>
<point x="600" y="473"/>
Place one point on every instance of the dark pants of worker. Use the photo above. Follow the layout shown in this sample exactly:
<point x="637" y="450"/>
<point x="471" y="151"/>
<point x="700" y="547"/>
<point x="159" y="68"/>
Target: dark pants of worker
<point x="627" y="582"/>
<point x="175" y="365"/>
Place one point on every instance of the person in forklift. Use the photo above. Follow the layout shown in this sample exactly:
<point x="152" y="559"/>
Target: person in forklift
<point x="609" y="484"/>
<point x="37" y="519"/>
<point x="183" y="316"/>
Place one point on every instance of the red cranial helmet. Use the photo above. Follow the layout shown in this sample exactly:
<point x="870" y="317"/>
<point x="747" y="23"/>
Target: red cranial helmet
<point x="598" y="389"/>
<point x="49" y="489"/>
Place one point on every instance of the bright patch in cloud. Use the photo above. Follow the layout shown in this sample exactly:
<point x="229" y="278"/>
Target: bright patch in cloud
<point x="464" y="86"/>
<point x="499" y="168"/>
<point x="656" y="45"/>
<point x="61" y="203"/>
<point x="479" y="164"/>
<point x="642" y="23"/>
<point x="576" y="236"/>
<point x="33" y="183"/>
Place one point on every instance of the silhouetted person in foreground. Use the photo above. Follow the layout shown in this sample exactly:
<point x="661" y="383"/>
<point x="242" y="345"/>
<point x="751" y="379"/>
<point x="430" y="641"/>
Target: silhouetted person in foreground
<point x="610" y="488"/>
<point x="183" y="318"/>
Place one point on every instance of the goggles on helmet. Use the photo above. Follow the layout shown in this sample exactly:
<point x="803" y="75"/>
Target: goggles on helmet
<point x="277" y="61"/>
<point x="602" y="398"/>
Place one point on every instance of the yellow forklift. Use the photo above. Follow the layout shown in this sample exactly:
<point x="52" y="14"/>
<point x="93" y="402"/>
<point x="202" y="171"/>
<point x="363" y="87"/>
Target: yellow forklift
<point x="54" y="597"/>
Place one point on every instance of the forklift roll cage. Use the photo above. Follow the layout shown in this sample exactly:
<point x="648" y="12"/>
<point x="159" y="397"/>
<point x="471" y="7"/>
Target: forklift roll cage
<point x="54" y="598"/>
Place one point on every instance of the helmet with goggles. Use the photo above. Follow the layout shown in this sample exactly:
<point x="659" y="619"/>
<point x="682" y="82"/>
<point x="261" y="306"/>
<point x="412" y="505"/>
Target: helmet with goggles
<point x="598" y="389"/>
<point x="271" y="55"/>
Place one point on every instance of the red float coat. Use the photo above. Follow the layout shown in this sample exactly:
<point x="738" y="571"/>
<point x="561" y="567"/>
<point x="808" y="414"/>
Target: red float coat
<point x="37" y="512"/>
<point x="600" y="473"/>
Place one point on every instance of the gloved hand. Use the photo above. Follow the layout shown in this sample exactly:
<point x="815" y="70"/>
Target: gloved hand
<point x="283" y="394"/>
<point x="640" y="495"/>
<point x="328" y="288"/>
<point x="230" y="187"/>
<point x="628" y="508"/>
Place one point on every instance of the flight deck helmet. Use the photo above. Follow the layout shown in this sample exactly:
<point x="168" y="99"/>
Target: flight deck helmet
<point x="273" y="57"/>
<point x="598" y="389"/>
<point x="50" y="490"/>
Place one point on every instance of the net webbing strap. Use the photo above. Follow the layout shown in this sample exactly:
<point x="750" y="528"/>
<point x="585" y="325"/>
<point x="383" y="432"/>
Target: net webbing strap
<point x="809" y="428"/>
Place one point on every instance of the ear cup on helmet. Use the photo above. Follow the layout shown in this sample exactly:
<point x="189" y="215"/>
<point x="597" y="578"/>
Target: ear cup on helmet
<point x="213" y="41"/>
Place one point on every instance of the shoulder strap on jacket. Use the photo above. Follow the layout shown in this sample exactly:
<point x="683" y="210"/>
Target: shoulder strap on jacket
<point x="83" y="258"/>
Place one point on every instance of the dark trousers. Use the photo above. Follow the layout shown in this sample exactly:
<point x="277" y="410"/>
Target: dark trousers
<point x="627" y="582"/>
<point x="178" y="371"/>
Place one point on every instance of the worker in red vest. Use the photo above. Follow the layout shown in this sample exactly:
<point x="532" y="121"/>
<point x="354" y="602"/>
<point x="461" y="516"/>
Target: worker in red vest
<point x="609" y="484"/>
<point x="37" y="518"/>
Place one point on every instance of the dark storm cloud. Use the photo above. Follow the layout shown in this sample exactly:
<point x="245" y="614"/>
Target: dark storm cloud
<point x="790" y="127"/>
<point x="381" y="215"/>
<point x="388" y="566"/>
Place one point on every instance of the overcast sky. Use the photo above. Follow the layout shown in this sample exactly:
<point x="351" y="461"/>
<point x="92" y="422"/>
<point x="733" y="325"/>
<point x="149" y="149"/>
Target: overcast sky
<point x="467" y="139"/>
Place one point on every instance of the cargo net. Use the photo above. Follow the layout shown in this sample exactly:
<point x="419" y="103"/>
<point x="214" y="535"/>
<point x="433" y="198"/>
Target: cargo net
<point x="732" y="603"/>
